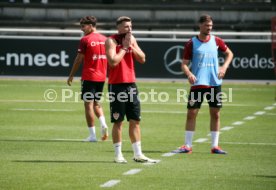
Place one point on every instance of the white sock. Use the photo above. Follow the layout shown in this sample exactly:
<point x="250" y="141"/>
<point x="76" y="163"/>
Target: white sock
<point x="92" y="131"/>
<point x="189" y="138"/>
<point x="137" y="148"/>
<point x="118" y="148"/>
<point x="102" y="121"/>
<point x="214" y="138"/>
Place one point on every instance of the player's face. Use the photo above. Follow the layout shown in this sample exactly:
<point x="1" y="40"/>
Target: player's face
<point x="86" y="28"/>
<point x="124" y="27"/>
<point x="206" y="27"/>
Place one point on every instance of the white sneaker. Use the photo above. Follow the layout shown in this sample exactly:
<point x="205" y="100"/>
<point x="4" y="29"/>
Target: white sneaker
<point x="104" y="133"/>
<point x="120" y="159"/>
<point x="90" y="139"/>
<point x="142" y="158"/>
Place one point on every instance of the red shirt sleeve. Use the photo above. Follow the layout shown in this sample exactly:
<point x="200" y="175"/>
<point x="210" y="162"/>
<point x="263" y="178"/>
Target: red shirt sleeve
<point x="188" y="48"/>
<point x="221" y="45"/>
<point x="82" y="46"/>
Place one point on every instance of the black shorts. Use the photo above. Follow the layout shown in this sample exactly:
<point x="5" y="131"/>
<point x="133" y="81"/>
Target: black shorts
<point x="212" y="95"/>
<point x="91" y="91"/>
<point x="124" y="101"/>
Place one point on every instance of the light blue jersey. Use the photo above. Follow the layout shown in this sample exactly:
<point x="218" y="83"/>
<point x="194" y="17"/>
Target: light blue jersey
<point x="205" y="64"/>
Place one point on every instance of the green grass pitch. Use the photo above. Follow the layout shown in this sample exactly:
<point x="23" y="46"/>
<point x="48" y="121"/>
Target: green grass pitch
<point x="41" y="144"/>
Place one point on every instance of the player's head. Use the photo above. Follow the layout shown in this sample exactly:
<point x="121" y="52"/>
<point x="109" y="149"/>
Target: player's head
<point x="88" y="24"/>
<point x="205" y="24"/>
<point x="124" y="24"/>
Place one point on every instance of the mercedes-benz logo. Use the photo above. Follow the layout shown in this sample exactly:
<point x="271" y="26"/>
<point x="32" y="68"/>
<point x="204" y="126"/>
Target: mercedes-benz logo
<point x="173" y="60"/>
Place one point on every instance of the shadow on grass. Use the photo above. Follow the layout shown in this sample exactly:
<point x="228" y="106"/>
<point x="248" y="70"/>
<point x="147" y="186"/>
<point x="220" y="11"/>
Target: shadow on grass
<point x="266" y="176"/>
<point x="62" y="161"/>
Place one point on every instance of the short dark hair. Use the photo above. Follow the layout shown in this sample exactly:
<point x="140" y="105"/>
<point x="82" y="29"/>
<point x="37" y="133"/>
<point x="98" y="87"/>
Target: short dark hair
<point x="88" y="20"/>
<point x="122" y="19"/>
<point x="204" y="18"/>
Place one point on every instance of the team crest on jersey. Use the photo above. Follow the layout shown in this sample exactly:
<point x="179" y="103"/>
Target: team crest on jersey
<point x="116" y="115"/>
<point x="192" y="102"/>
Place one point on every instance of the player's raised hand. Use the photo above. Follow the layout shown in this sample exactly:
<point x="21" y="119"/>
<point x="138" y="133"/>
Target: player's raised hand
<point x="127" y="40"/>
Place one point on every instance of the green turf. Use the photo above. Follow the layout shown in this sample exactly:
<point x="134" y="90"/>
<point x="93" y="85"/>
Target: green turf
<point x="32" y="157"/>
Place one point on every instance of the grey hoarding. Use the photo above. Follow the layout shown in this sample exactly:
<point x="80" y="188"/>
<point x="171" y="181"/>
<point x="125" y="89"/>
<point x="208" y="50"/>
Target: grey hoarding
<point x="40" y="57"/>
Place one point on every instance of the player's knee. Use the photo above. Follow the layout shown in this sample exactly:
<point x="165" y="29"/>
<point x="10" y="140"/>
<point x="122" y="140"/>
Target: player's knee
<point x="192" y="113"/>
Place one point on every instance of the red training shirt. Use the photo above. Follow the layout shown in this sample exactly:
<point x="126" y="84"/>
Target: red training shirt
<point x="124" y="72"/>
<point x="95" y="62"/>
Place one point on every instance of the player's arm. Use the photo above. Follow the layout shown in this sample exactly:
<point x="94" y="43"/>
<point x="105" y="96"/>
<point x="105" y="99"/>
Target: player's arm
<point x="187" y="56"/>
<point x="184" y="66"/>
<point x="139" y="55"/>
<point x="114" y="58"/>
<point x="228" y="58"/>
<point x="78" y="60"/>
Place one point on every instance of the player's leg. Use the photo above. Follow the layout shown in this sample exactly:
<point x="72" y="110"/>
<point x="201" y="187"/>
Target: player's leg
<point x="117" y="112"/>
<point x="215" y="104"/>
<point x="214" y="125"/>
<point x="90" y="120"/>
<point x="135" y="138"/>
<point x="100" y="115"/>
<point x="133" y="113"/>
<point x="190" y="126"/>
<point x="194" y="103"/>
<point x="99" y="110"/>
<point x="117" y="142"/>
<point x="214" y="128"/>
<point x="134" y="131"/>
<point x="87" y="97"/>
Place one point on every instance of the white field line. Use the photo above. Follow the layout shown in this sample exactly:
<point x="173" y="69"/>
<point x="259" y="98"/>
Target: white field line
<point x="149" y="164"/>
<point x="259" y="113"/>
<point x="201" y="140"/>
<point x="248" y="143"/>
<point x="168" y="154"/>
<point x="149" y="103"/>
<point x="132" y="171"/>
<point x="226" y="128"/>
<point x="48" y="110"/>
<point x="110" y="183"/>
<point x="184" y="103"/>
<point x="274" y="104"/>
<point x="238" y="123"/>
<point x="269" y="108"/>
<point x="249" y="118"/>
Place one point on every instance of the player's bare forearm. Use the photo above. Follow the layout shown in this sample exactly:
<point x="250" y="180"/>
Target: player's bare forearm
<point x="228" y="58"/>
<point x="76" y="65"/>
<point x="139" y="55"/>
<point x="184" y="66"/>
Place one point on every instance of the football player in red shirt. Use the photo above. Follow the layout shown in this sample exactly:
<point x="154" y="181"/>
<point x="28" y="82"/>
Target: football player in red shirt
<point x="121" y="51"/>
<point x="91" y="53"/>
